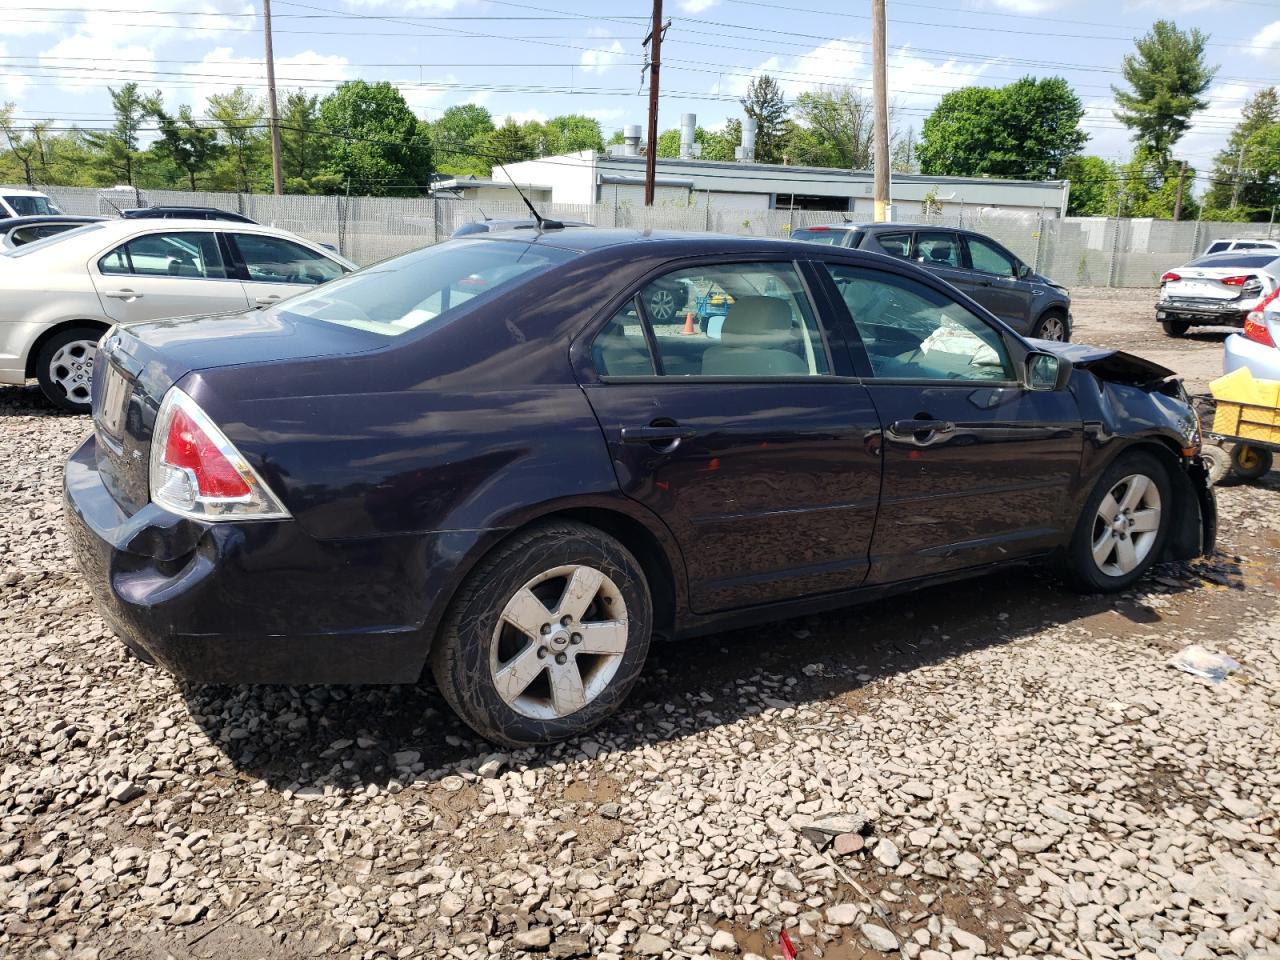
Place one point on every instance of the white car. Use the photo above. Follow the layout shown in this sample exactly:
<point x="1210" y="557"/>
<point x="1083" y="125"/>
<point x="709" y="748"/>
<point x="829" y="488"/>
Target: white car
<point x="1228" y="244"/>
<point x="1218" y="290"/>
<point x="58" y="296"/>
<point x="16" y="202"/>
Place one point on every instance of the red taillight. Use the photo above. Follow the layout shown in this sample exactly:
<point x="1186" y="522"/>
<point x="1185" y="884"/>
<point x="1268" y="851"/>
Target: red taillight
<point x="190" y="448"/>
<point x="1170" y="276"/>
<point x="197" y="472"/>
<point x="1236" y="281"/>
<point x="1255" y="324"/>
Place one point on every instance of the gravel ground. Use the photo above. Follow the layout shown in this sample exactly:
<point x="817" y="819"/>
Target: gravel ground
<point x="1035" y="779"/>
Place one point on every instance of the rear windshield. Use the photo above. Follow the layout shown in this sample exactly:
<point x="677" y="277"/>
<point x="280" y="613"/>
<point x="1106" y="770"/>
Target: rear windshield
<point x="1236" y="260"/>
<point x="419" y="288"/>
<point x="37" y="245"/>
<point x="828" y="236"/>
<point x="30" y="206"/>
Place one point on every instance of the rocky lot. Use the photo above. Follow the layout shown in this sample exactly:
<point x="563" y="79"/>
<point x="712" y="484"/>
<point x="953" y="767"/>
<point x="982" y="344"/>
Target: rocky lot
<point x="1035" y="779"/>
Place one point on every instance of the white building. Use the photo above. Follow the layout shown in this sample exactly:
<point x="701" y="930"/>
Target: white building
<point x="617" y="178"/>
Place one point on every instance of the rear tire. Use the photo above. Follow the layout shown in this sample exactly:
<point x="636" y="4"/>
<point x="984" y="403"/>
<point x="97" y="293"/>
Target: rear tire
<point x="1250" y="463"/>
<point x="1175" y="328"/>
<point x="1124" y="525"/>
<point x="64" y="367"/>
<point x="1052" y="326"/>
<point x="546" y="637"/>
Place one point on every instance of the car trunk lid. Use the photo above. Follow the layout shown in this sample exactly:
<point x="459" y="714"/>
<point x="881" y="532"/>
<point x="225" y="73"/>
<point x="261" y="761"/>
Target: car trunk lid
<point x="137" y="364"/>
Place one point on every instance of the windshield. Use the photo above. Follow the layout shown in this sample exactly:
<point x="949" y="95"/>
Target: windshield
<point x="37" y="245"/>
<point x="421" y="287"/>
<point x="833" y="238"/>
<point x="30" y="206"/>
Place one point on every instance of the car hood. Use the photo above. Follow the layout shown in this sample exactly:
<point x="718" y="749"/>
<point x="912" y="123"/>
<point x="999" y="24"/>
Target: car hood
<point x="1107" y="364"/>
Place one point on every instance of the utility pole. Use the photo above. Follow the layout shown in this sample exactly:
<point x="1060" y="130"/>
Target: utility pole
<point x="880" y="91"/>
<point x="654" y="40"/>
<point x="1235" y="185"/>
<point x="277" y="175"/>
<point x="1177" y="203"/>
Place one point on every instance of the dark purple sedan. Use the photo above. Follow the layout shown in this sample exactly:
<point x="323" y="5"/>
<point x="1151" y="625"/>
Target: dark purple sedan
<point x="491" y="458"/>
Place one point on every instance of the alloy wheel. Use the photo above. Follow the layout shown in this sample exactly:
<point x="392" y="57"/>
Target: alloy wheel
<point x="559" y="641"/>
<point x="1053" y="328"/>
<point x="1126" y="525"/>
<point x="662" y="305"/>
<point x="71" y="368"/>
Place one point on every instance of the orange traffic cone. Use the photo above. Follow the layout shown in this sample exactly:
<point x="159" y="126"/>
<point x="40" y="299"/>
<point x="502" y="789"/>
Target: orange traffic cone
<point x="689" y="329"/>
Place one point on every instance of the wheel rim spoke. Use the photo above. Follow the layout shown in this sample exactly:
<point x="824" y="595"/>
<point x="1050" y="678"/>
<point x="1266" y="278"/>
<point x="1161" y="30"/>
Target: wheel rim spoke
<point x="527" y="613"/>
<point x="515" y="676"/>
<point x="1146" y="521"/>
<point x="1133" y="495"/>
<point x="567" y="692"/>
<point x="606" y="637"/>
<point x="581" y="589"/>
<point x="1108" y="509"/>
<point x="1103" y="547"/>
<point x="1126" y="555"/>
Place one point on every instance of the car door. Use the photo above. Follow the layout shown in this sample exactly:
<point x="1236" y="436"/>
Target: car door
<point x="977" y="468"/>
<point x="939" y="252"/>
<point x="166" y="273"/>
<point x="995" y="282"/>
<point x="752" y="446"/>
<point x="273" y="268"/>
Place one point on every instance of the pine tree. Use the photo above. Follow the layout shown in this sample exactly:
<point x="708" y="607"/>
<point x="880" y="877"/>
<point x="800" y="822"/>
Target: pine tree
<point x="1167" y="75"/>
<point x="765" y="104"/>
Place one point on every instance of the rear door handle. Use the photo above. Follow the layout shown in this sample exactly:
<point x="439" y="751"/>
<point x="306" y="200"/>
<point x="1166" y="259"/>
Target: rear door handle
<point x="123" y="295"/>
<point x="659" y="434"/>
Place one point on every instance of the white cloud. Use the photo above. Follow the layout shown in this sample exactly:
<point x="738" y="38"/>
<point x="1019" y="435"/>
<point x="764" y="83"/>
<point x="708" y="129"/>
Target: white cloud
<point x="221" y="70"/>
<point x="80" y="58"/>
<point x="606" y="114"/>
<point x="524" y="116"/>
<point x="1266" y="42"/>
<point x="696" y="6"/>
<point x="1024" y="6"/>
<point x="12" y="83"/>
<point x="601" y="59"/>
<point x="401" y="6"/>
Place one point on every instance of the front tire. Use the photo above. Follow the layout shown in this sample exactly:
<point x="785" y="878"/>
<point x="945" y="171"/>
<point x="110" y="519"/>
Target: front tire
<point x="1175" y="328"/>
<point x="546" y="637"/>
<point x="64" y="367"/>
<point x="1123" y="527"/>
<point x="1052" y="326"/>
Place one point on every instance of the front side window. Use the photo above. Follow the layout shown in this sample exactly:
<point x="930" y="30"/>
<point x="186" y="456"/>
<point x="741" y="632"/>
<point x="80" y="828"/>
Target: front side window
<point x="913" y="332"/>
<point x="276" y="260"/>
<point x="937" y="249"/>
<point x="988" y="258"/>
<point x="896" y="244"/>
<point x="621" y="349"/>
<point x="185" y="254"/>
<point x="725" y="320"/>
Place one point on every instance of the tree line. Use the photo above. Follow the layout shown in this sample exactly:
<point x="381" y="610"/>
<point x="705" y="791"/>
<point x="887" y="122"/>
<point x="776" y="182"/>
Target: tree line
<point x="364" y="137"/>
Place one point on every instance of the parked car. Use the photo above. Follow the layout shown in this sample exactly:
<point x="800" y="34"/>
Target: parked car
<point x="1256" y="346"/>
<point x="59" y="295"/>
<point x="1228" y="244"/>
<point x="19" y="231"/>
<point x="485" y="456"/>
<point x="184" y="213"/>
<point x="973" y="263"/>
<point x="16" y="202"/>
<point x="1220" y="290"/>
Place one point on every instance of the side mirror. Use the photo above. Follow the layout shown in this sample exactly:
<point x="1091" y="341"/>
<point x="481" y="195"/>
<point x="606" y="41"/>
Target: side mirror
<point x="1024" y="271"/>
<point x="1046" y="372"/>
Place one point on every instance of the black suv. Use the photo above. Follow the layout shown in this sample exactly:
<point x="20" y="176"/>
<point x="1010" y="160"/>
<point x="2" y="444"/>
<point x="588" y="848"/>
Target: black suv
<point x="1030" y="303"/>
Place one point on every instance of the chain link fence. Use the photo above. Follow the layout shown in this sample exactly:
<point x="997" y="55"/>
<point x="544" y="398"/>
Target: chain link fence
<point x="1075" y="251"/>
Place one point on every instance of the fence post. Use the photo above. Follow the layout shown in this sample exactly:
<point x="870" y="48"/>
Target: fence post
<point x="435" y="219"/>
<point x="1039" y="241"/>
<point x="342" y="225"/>
<point x="1112" y="263"/>
<point x="1195" y="239"/>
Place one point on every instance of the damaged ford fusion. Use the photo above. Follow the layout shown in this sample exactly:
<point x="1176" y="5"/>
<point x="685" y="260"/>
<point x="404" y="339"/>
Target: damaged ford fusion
<point x="495" y="460"/>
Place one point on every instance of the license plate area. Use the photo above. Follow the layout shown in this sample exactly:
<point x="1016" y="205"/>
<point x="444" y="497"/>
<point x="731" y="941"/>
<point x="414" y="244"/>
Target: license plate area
<point x="115" y="401"/>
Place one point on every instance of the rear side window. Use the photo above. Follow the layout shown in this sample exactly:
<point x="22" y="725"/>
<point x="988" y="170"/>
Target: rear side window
<point x="1218" y="247"/>
<point x="897" y="244"/>
<point x="937" y="249"/>
<point x="425" y="286"/>
<point x="276" y="260"/>
<point x="185" y="254"/>
<point x="25" y="235"/>
<point x="744" y="320"/>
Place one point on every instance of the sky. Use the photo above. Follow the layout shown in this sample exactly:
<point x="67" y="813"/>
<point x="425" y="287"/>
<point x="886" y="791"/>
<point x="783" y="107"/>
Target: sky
<point x="535" y="59"/>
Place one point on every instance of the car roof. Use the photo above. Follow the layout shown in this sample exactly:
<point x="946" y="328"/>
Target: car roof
<point x="652" y="241"/>
<point x="8" y="223"/>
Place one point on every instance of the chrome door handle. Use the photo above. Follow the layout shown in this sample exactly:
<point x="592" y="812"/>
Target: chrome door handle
<point x="126" y="295"/>
<point x="921" y="432"/>
<point x="661" y="437"/>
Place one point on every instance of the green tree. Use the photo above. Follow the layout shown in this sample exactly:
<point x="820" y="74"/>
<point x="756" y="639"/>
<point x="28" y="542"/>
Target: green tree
<point x="765" y="104"/>
<point x="1246" y="175"/>
<point x="508" y="144"/>
<point x="25" y="142"/>
<point x="1147" y="186"/>
<point x="564" y="134"/>
<point x="1092" y="181"/>
<point x="459" y="140"/>
<point x="239" y="118"/>
<point x="720" y="145"/>
<point x="378" y="142"/>
<point x="1167" y="75"/>
<point x="188" y="144"/>
<point x="1028" y="128"/>
<point x="116" y="149"/>
<point x="304" y="143"/>
<point x="834" y="127"/>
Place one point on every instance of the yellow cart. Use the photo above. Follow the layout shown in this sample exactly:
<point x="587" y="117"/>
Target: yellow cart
<point x="1241" y="425"/>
